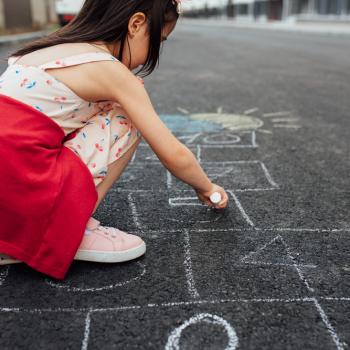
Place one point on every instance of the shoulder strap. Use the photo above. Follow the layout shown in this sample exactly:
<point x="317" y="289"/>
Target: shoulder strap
<point x="11" y="60"/>
<point x="78" y="59"/>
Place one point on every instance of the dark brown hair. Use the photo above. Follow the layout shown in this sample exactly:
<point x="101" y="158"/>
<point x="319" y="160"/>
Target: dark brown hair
<point x="107" y="21"/>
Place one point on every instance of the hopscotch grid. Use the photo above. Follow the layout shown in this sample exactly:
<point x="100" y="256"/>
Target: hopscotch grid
<point x="188" y="262"/>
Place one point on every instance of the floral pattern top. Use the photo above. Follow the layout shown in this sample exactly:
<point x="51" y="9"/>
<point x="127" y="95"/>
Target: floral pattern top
<point x="36" y="87"/>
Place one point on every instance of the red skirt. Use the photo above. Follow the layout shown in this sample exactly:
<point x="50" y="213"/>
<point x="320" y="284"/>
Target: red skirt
<point x="47" y="193"/>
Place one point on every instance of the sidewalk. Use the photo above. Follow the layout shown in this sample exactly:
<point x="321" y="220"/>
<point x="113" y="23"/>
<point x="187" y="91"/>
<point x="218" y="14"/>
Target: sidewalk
<point x="5" y="39"/>
<point x="309" y="27"/>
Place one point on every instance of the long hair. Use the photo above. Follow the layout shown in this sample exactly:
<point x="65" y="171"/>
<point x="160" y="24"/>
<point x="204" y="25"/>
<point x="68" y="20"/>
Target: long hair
<point x="107" y="21"/>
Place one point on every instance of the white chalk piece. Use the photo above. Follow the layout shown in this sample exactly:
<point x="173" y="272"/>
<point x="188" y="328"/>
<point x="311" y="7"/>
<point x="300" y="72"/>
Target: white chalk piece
<point x="215" y="197"/>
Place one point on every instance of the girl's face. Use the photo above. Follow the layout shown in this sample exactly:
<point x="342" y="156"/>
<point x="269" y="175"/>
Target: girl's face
<point x="138" y="39"/>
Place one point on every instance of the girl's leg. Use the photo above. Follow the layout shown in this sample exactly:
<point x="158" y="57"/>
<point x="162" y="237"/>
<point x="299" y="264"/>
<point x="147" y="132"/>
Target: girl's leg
<point x="115" y="170"/>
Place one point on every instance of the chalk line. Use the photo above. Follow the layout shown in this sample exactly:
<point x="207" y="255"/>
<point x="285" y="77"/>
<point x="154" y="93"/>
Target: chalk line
<point x="182" y="110"/>
<point x="328" y="325"/>
<point x="279" y="264"/>
<point x="268" y="176"/>
<point x="287" y="120"/>
<point x="299" y="271"/>
<point x="250" y="111"/>
<point x="188" y="266"/>
<point x="199" y="153"/>
<point x="246" y="229"/>
<point x="254" y="144"/>
<point x="134" y="213"/>
<point x="150" y="305"/>
<point x="85" y="342"/>
<point x="286" y="126"/>
<point x="168" y="179"/>
<point x="276" y="114"/>
<point x="69" y="288"/>
<point x="244" y="214"/>
<point x="133" y="157"/>
<point x="320" y="310"/>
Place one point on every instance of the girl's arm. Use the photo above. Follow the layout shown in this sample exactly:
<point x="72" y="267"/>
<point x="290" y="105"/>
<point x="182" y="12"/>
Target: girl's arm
<point x="119" y="84"/>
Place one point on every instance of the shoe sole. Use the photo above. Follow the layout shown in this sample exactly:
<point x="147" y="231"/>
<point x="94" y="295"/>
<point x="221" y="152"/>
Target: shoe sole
<point x="111" y="257"/>
<point x="8" y="261"/>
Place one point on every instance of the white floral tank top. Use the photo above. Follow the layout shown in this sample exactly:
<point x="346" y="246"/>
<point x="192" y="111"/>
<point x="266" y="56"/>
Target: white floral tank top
<point x="32" y="85"/>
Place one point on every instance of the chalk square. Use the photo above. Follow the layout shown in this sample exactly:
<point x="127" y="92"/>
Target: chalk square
<point x="330" y="254"/>
<point x="41" y="330"/>
<point x="158" y="276"/>
<point x="296" y="209"/>
<point x="220" y="271"/>
<point x="178" y="211"/>
<point x="212" y="325"/>
<point x="235" y="176"/>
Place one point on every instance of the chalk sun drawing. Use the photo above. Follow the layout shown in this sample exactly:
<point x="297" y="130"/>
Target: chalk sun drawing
<point x="245" y="121"/>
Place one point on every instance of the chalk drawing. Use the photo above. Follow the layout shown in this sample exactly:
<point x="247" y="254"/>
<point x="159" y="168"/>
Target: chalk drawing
<point x="257" y="257"/>
<point x="233" y="122"/>
<point x="68" y="285"/>
<point x="209" y="122"/>
<point x="173" y="342"/>
<point x="216" y="139"/>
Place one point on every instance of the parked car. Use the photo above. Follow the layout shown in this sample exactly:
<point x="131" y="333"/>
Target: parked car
<point x="67" y="10"/>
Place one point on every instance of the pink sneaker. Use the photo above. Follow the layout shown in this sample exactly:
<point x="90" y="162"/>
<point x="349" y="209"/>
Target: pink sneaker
<point x="108" y="244"/>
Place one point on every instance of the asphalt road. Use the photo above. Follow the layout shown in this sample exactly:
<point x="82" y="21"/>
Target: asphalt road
<point x="267" y="115"/>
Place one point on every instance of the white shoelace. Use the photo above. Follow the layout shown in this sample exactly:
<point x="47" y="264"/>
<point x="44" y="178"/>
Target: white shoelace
<point x="107" y="230"/>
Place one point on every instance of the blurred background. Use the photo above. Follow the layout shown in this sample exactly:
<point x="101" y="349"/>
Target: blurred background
<point x="25" y="15"/>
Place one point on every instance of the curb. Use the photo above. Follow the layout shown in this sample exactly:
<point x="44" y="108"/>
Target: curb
<point x="6" y="39"/>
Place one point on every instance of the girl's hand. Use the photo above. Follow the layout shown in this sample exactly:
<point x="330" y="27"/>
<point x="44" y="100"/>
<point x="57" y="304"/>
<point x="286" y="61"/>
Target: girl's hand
<point x="204" y="197"/>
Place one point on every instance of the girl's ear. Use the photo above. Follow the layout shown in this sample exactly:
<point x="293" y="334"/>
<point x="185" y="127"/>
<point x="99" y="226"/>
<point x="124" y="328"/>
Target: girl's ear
<point x="136" y="21"/>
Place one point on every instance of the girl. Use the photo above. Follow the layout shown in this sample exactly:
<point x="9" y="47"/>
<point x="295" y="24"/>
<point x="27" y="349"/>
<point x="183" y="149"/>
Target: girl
<point x="72" y="114"/>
